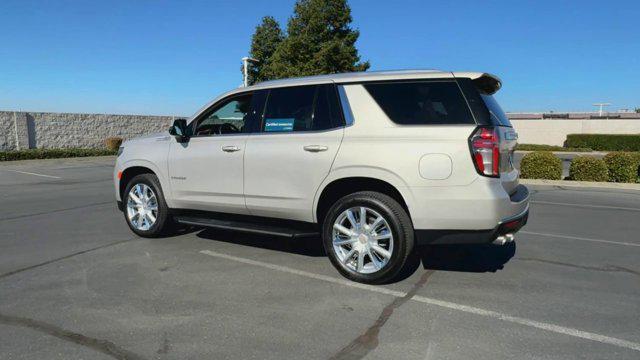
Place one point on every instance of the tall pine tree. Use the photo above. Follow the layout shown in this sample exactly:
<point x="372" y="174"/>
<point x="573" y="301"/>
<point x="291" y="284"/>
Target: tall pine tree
<point x="264" y="42"/>
<point x="319" y="40"/>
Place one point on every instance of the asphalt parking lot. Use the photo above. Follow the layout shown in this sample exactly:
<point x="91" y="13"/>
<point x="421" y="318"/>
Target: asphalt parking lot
<point x="75" y="283"/>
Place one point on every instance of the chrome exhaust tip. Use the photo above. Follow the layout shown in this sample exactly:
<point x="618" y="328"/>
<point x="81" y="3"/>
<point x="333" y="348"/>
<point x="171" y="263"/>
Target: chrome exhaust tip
<point x="503" y="239"/>
<point x="500" y="240"/>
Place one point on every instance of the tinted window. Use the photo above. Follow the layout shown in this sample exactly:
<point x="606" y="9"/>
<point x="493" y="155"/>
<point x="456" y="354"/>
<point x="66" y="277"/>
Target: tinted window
<point x="477" y="105"/>
<point x="289" y="109"/>
<point x="497" y="115"/>
<point x="254" y="118"/>
<point x="422" y="103"/>
<point x="326" y="114"/>
<point x="484" y="106"/>
<point x="303" y="108"/>
<point x="225" y="118"/>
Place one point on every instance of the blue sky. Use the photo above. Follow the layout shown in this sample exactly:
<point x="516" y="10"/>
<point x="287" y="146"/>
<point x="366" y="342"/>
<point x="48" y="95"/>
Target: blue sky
<point x="171" y="57"/>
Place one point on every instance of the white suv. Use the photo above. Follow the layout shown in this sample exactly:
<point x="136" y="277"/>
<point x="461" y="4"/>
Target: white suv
<point x="373" y="163"/>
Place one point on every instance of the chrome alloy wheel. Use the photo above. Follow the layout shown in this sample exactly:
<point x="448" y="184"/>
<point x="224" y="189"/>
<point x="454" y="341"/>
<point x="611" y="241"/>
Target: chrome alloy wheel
<point x="362" y="240"/>
<point x="142" y="207"/>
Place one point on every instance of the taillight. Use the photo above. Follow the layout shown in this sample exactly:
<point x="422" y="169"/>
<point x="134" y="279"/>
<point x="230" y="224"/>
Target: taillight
<point x="485" y="150"/>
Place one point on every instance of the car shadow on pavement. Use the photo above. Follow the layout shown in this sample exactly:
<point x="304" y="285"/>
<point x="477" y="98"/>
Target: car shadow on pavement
<point x="308" y="246"/>
<point x="463" y="258"/>
<point x="466" y="258"/>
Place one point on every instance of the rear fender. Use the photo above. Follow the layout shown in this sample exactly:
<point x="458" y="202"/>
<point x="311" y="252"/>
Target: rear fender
<point x="367" y="172"/>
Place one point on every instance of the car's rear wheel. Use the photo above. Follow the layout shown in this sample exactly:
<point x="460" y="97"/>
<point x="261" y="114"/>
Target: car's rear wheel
<point x="145" y="209"/>
<point x="368" y="237"/>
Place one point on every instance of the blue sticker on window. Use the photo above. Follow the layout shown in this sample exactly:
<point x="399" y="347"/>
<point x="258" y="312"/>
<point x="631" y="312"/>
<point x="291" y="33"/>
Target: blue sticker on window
<point x="278" y="124"/>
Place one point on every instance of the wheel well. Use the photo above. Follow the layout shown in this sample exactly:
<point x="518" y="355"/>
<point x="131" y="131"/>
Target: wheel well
<point x="346" y="186"/>
<point x="129" y="174"/>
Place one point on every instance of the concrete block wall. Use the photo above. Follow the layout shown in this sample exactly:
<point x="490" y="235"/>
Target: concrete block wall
<point x="23" y="130"/>
<point x="555" y="131"/>
<point x="7" y="131"/>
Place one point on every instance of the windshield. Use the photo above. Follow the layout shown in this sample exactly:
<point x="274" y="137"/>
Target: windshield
<point x="498" y="116"/>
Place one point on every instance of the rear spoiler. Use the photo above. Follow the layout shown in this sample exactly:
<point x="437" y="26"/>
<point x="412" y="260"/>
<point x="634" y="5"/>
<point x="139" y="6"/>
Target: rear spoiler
<point x="486" y="83"/>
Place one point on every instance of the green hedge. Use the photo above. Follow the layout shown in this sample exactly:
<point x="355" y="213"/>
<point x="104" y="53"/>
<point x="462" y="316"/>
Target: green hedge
<point x="539" y="147"/>
<point x="541" y="165"/>
<point x="588" y="168"/>
<point x="636" y="158"/>
<point x="604" y="142"/>
<point x="52" y="153"/>
<point x="623" y="166"/>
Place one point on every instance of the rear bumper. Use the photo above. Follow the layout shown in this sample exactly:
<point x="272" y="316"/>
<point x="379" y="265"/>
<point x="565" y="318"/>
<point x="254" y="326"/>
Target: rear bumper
<point x="479" y="205"/>
<point x="441" y="237"/>
<point x="507" y="225"/>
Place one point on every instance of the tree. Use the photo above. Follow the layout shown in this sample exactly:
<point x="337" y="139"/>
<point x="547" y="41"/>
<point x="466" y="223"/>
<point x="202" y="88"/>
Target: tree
<point x="264" y="42"/>
<point x="319" y="40"/>
<point x="638" y="110"/>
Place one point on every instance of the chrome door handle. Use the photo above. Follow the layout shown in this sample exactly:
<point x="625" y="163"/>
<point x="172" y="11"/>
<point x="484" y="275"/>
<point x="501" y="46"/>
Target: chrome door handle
<point x="315" y="148"/>
<point x="231" y="148"/>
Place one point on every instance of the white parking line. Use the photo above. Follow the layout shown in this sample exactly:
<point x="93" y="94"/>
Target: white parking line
<point x="580" y="238"/>
<point x="585" y="205"/>
<point x="34" y="174"/>
<point x="445" y="304"/>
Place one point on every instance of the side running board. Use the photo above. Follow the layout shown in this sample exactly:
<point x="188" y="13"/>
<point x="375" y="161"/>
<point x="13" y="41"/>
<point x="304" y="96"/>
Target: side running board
<point x="247" y="226"/>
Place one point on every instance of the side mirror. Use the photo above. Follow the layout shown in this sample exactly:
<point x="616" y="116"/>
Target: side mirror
<point x="179" y="130"/>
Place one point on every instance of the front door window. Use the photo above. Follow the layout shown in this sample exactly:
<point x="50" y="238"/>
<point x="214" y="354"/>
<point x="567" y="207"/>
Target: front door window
<point x="226" y="118"/>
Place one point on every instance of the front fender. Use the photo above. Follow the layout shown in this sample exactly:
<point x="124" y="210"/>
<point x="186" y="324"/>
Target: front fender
<point x="157" y="170"/>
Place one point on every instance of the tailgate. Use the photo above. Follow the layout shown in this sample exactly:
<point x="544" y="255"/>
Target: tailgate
<point x="508" y="173"/>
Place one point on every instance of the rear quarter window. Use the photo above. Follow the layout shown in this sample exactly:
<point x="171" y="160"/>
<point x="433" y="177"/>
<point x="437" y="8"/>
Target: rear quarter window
<point x="421" y="102"/>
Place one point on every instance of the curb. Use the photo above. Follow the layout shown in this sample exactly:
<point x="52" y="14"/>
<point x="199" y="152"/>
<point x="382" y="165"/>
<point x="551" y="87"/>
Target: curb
<point x="582" y="184"/>
<point x="574" y="153"/>
<point x="54" y="160"/>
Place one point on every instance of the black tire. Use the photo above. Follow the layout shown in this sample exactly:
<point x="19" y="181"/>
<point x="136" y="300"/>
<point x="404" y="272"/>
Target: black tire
<point x="164" y="224"/>
<point x="399" y="223"/>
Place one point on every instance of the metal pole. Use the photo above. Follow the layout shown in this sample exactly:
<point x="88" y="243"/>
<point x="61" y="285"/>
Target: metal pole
<point x="15" y="129"/>
<point x="245" y="70"/>
<point x="601" y="107"/>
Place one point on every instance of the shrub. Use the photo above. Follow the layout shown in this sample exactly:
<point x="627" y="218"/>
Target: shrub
<point x="623" y="166"/>
<point x="636" y="158"/>
<point x="604" y="142"/>
<point x="52" y="153"/>
<point x="113" y="143"/>
<point x="588" y="168"/>
<point x="541" y="165"/>
<point x="540" y="147"/>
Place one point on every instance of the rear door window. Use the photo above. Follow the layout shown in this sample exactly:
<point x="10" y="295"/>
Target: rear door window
<point x="289" y="109"/>
<point x="421" y="102"/>
<point x="302" y="108"/>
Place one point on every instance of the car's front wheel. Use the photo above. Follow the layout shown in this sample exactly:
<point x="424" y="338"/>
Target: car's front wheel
<point x="368" y="237"/>
<point x="145" y="209"/>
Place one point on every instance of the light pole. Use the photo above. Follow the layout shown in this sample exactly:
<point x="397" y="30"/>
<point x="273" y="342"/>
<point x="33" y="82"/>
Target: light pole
<point x="245" y="69"/>
<point x="601" y="106"/>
